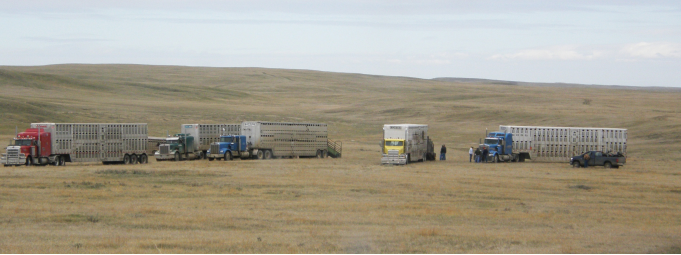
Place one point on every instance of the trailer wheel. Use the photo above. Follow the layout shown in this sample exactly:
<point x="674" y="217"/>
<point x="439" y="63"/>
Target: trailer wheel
<point x="575" y="164"/>
<point x="607" y="165"/>
<point x="319" y="154"/>
<point x="177" y="156"/>
<point x="202" y="155"/>
<point x="268" y="154"/>
<point x="56" y="161"/>
<point x="143" y="159"/>
<point x="62" y="161"/>
<point x="260" y="154"/>
<point x="133" y="159"/>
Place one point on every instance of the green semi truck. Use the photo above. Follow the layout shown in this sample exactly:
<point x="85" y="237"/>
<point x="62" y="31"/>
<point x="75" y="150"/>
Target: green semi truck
<point x="178" y="147"/>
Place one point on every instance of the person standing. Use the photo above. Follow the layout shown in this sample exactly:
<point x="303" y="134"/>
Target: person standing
<point x="586" y="159"/>
<point x="484" y="155"/>
<point x="477" y="155"/>
<point x="443" y="151"/>
<point x="470" y="155"/>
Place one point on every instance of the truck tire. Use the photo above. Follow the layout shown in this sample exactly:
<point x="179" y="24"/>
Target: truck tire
<point x="133" y="159"/>
<point x="319" y="154"/>
<point x="211" y="159"/>
<point x="575" y="164"/>
<point x="496" y="159"/>
<point x="228" y="156"/>
<point x="56" y="161"/>
<point x="144" y="159"/>
<point x="126" y="159"/>
<point x="268" y="154"/>
<point x="607" y="165"/>
<point x="177" y="156"/>
<point x="29" y="161"/>
<point x="260" y="154"/>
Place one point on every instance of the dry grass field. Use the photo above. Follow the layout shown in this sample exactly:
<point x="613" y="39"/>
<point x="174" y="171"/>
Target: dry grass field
<point x="346" y="205"/>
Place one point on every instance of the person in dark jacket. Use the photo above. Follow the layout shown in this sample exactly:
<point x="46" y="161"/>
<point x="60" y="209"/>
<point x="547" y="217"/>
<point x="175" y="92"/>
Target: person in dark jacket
<point x="477" y="155"/>
<point x="443" y="151"/>
<point x="484" y="155"/>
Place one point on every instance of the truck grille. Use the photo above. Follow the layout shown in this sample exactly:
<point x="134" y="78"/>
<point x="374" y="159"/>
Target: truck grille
<point x="215" y="149"/>
<point x="164" y="149"/>
<point x="393" y="152"/>
<point x="12" y="153"/>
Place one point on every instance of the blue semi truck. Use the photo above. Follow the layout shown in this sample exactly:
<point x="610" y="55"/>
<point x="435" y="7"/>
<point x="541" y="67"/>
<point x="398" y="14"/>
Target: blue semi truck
<point x="500" y="147"/>
<point x="229" y="147"/>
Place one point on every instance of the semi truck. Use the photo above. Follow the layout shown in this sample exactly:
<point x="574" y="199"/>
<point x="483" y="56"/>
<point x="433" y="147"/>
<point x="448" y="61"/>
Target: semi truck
<point x="552" y="144"/>
<point x="229" y="147"/>
<point x="178" y="147"/>
<point x="266" y="140"/>
<point x="406" y="143"/>
<point x="59" y="143"/>
<point x="193" y="141"/>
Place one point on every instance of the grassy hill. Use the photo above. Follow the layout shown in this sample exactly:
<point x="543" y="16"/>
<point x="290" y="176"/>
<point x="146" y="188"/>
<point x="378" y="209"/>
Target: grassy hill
<point x="355" y="105"/>
<point x="351" y="204"/>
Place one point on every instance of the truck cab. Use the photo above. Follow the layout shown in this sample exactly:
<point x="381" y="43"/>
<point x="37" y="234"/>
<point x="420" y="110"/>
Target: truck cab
<point x="228" y="147"/>
<point x="30" y="147"/>
<point x="394" y="152"/>
<point x="500" y="147"/>
<point x="177" y="147"/>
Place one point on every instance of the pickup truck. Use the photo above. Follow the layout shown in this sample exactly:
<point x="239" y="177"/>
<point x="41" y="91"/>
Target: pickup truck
<point x="598" y="158"/>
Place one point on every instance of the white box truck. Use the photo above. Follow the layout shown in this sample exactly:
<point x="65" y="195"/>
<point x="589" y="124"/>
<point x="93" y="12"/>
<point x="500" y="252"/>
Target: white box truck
<point x="554" y="144"/>
<point x="406" y="143"/>
<point x="58" y="143"/>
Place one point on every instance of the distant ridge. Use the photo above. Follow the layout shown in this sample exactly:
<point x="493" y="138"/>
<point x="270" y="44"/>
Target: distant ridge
<point x="546" y="84"/>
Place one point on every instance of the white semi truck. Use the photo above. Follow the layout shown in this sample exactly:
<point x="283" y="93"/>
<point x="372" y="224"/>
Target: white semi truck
<point x="406" y="143"/>
<point x="58" y="143"/>
<point x="266" y="140"/>
<point x="193" y="141"/>
<point x="553" y="144"/>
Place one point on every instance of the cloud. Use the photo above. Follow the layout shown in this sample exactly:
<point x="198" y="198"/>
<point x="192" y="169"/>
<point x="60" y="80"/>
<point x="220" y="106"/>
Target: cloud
<point x="633" y="51"/>
<point x="652" y="50"/>
<point x="562" y="52"/>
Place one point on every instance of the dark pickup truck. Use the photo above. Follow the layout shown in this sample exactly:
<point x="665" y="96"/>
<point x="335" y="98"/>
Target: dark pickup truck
<point x="598" y="158"/>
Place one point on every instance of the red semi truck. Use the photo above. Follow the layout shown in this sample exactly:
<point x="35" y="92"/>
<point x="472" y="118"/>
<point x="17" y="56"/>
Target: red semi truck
<point x="58" y="143"/>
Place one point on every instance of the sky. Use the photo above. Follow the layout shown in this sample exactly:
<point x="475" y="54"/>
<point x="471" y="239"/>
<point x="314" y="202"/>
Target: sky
<point x="634" y="43"/>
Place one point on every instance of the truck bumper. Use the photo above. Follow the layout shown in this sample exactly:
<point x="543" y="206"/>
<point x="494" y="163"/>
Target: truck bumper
<point x="164" y="156"/>
<point x="395" y="160"/>
<point x="13" y="161"/>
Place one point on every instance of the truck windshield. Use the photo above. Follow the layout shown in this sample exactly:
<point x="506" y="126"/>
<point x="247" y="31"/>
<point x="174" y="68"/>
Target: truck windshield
<point x="226" y="139"/>
<point x="394" y="143"/>
<point x="492" y="141"/>
<point x="22" y="142"/>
